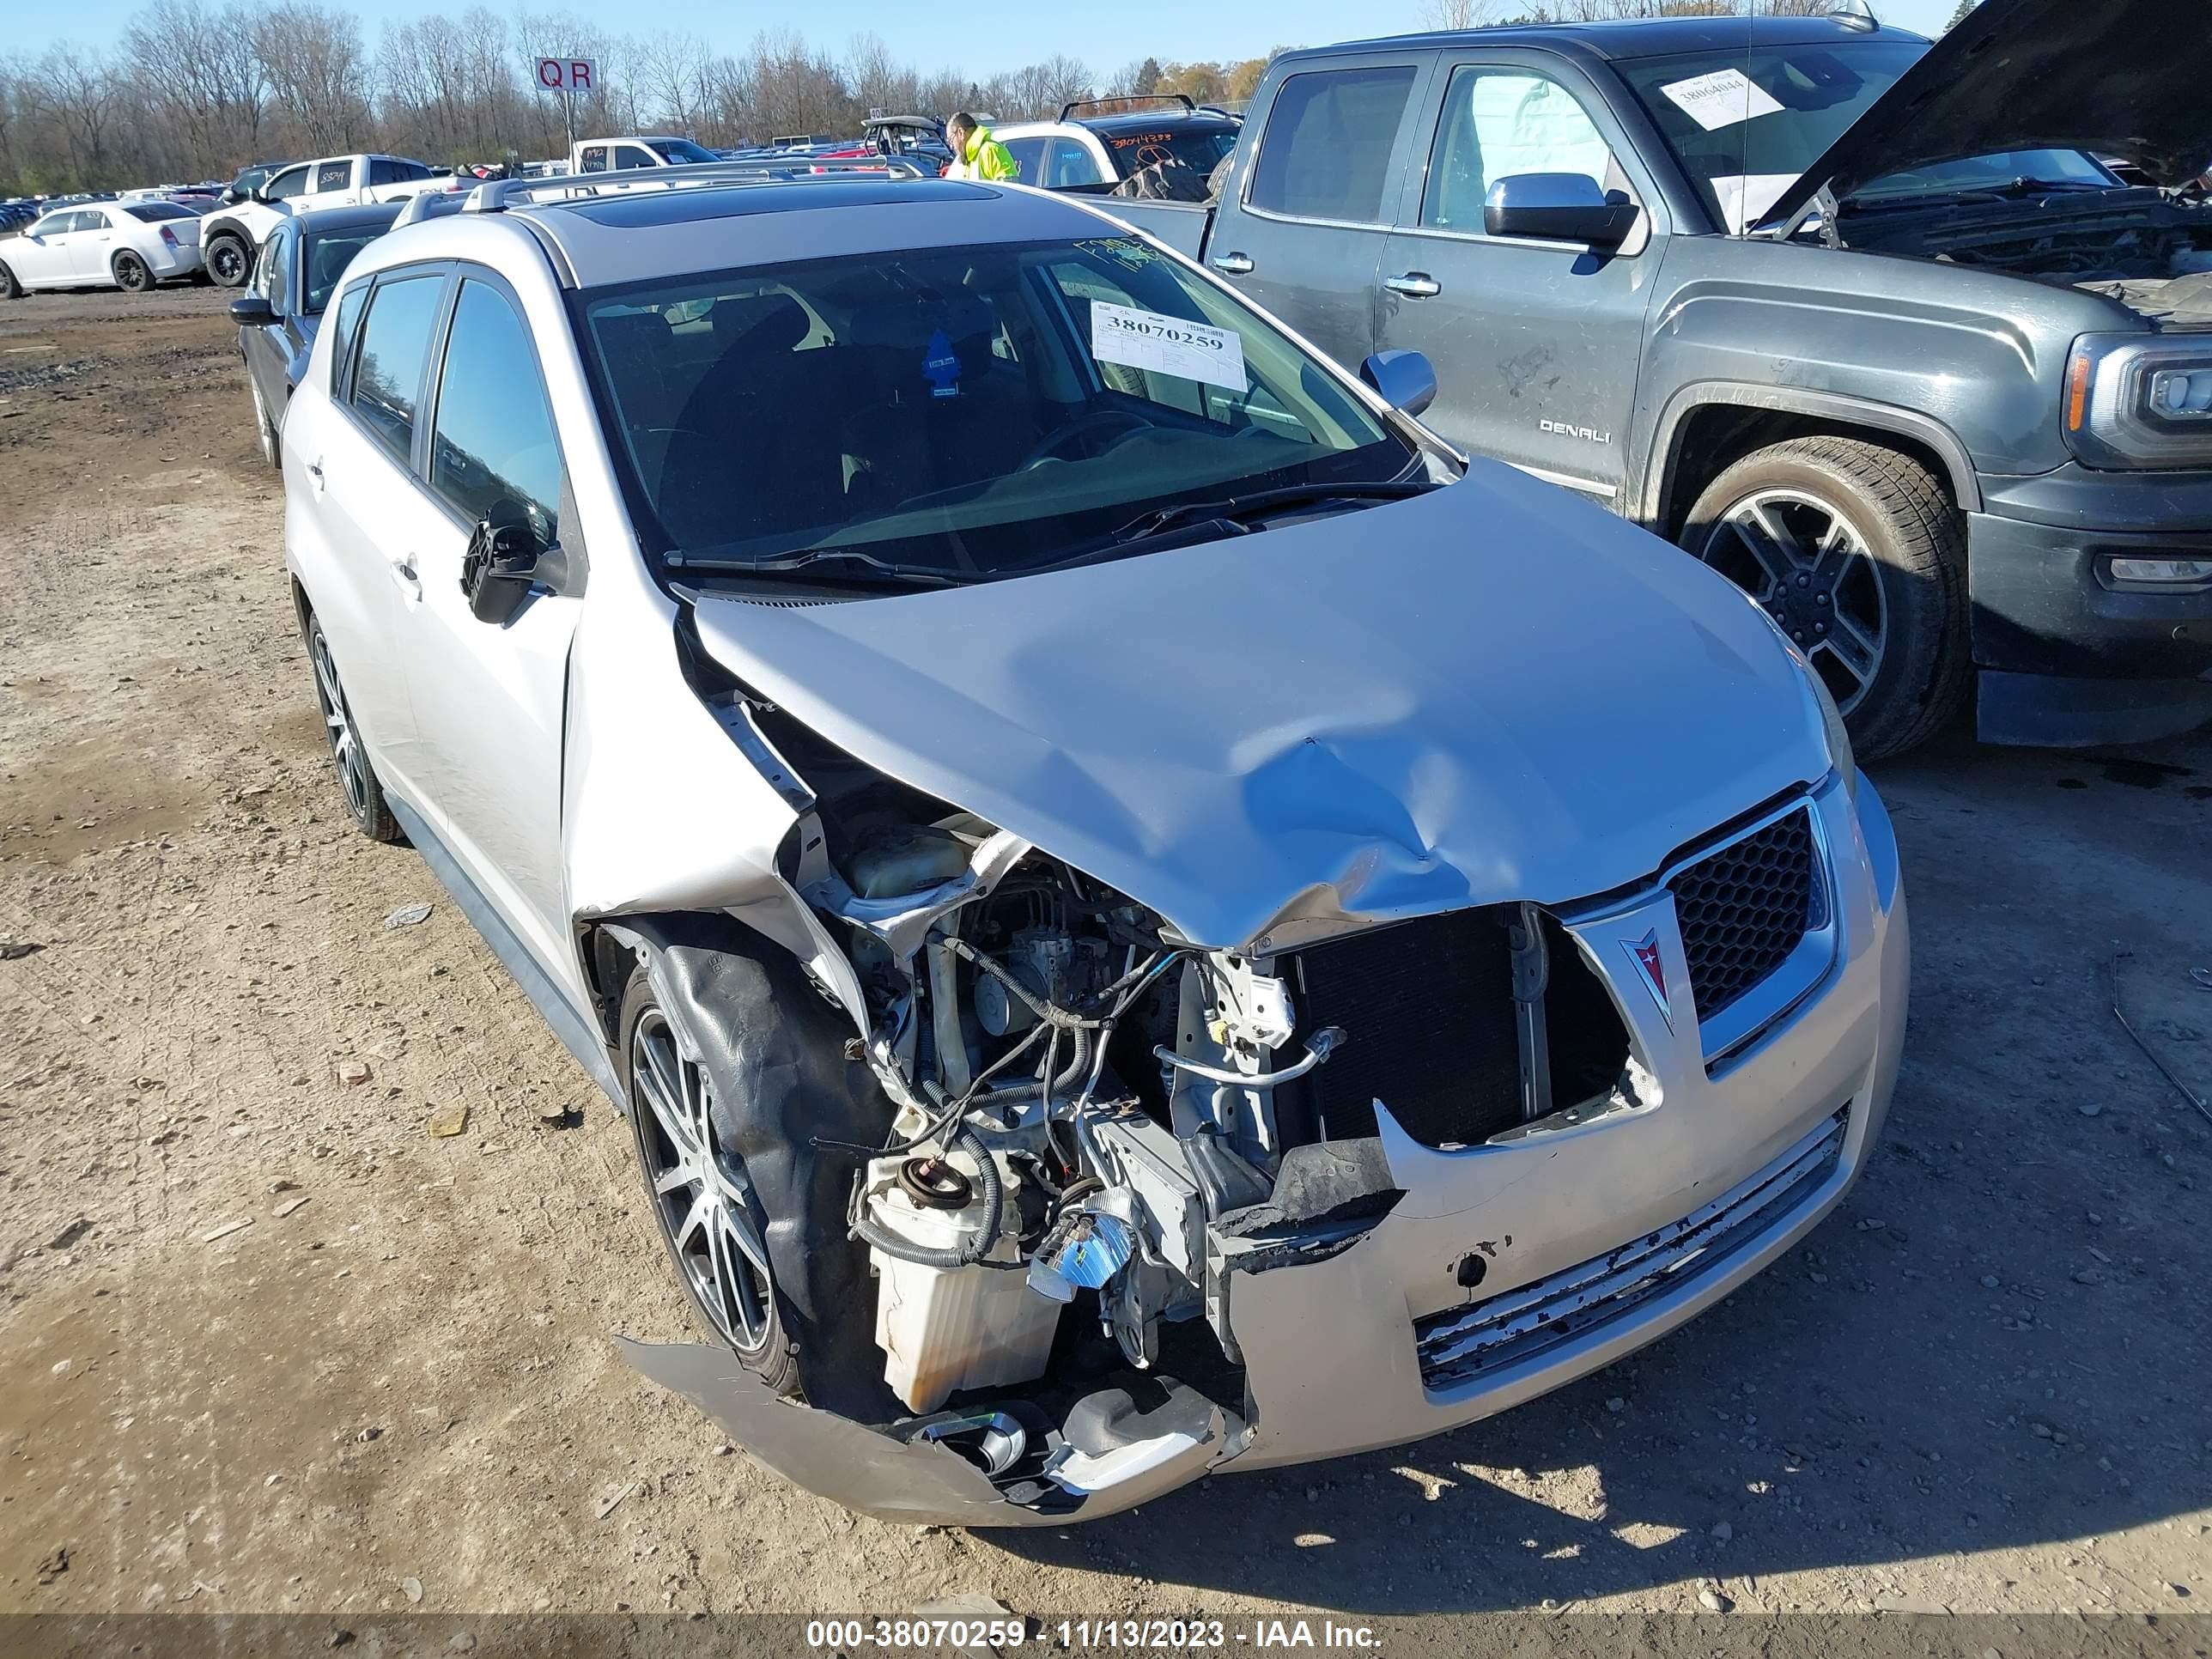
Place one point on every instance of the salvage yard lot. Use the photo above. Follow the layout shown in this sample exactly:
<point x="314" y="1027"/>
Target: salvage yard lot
<point x="1980" y="1386"/>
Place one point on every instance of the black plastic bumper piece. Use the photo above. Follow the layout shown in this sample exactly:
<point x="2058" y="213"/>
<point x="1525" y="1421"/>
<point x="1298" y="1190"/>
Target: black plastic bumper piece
<point x="2069" y="660"/>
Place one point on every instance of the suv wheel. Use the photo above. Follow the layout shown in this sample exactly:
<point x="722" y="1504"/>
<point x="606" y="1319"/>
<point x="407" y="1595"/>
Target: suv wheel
<point x="1859" y="557"/>
<point x="227" y="260"/>
<point x="364" y="795"/>
<point x="131" y="274"/>
<point x="709" y="1218"/>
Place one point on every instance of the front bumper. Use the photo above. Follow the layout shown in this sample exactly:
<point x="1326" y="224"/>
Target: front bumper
<point x="2066" y="658"/>
<point x="1334" y="1348"/>
<point x="1348" y="1344"/>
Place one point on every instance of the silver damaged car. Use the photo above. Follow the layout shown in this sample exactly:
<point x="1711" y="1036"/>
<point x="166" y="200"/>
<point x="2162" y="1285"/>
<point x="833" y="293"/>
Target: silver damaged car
<point x="1147" y="916"/>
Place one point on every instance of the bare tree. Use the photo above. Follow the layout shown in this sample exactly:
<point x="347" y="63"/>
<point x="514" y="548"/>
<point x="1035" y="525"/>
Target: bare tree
<point x="196" y="70"/>
<point x="76" y="94"/>
<point x="318" y="73"/>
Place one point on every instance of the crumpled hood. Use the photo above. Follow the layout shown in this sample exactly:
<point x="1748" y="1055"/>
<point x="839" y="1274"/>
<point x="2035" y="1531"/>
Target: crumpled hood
<point x="2117" y="78"/>
<point x="1494" y="692"/>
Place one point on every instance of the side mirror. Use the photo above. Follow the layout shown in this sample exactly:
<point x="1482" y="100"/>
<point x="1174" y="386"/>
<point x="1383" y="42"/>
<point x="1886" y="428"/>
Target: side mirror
<point x="498" y="570"/>
<point x="1405" y="380"/>
<point x="252" y="311"/>
<point x="1559" y="207"/>
<point x="232" y="196"/>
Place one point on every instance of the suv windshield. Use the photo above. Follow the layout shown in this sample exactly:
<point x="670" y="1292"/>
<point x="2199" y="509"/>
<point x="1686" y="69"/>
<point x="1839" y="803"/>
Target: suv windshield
<point x="1745" y="125"/>
<point x="971" y="411"/>
<point x="1199" y="148"/>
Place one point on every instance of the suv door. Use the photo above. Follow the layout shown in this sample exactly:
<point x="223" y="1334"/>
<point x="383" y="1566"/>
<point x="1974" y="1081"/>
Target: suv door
<point x="488" y="698"/>
<point x="1304" y="233"/>
<point x="1536" y="343"/>
<point x="358" y="462"/>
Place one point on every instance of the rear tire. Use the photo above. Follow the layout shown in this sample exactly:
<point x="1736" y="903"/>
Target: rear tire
<point x="227" y="261"/>
<point x="357" y="782"/>
<point x="703" y="1203"/>
<point x="131" y="274"/>
<point x="1859" y="556"/>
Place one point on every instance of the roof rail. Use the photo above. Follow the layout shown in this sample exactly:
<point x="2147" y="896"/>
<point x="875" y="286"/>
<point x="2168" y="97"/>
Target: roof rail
<point x="1067" y="111"/>
<point x="497" y="195"/>
<point x="428" y="203"/>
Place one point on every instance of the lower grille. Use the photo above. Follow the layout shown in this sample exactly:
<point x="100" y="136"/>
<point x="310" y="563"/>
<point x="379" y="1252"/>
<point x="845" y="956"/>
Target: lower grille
<point x="1463" y="1344"/>
<point x="1744" y="908"/>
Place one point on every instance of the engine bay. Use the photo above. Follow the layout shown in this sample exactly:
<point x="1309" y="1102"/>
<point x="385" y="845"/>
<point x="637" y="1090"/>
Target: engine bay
<point x="1090" y="1110"/>
<point x="2150" y="250"/>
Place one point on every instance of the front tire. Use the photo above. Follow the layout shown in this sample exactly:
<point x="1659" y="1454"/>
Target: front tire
<point x="704" y="1206"/>
<point x="1859" y="554"/>
<point x="9" y="287"/>
<point x="227" y="260"/>
<point x="357" y="781"/>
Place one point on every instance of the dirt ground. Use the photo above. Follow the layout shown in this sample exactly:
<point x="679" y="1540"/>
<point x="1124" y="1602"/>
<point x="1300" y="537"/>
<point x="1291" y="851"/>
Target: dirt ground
<point x="1980" y="1387"/>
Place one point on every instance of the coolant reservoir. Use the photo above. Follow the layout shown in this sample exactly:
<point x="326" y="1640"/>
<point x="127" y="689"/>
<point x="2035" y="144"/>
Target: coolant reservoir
<point x="969" y="1328"/>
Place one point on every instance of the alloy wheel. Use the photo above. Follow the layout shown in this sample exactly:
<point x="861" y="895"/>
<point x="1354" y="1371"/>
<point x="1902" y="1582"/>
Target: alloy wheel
<point x="131" y="274"/>
<point x="227" y="262"/>
<point x="701" y="1194"/>
<point x="337" y="723"/>
<point x="1809" y="568"/>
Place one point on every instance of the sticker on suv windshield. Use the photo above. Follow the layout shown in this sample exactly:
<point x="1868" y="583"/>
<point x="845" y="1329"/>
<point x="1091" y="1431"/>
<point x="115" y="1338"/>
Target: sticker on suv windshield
<point x="1726" y="97"/>
<point x="1167" y="345"/>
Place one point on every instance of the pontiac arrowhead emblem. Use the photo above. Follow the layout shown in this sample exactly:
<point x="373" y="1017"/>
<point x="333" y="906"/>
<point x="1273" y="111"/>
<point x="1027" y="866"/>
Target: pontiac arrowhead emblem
<point x="1644" y="953"/>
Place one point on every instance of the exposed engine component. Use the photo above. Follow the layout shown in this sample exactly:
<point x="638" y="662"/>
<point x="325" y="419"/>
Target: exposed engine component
<point x="1098" y="1121"/>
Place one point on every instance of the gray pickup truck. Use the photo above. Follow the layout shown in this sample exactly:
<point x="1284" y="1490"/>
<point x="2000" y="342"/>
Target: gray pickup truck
<point x="1874" y="327"/>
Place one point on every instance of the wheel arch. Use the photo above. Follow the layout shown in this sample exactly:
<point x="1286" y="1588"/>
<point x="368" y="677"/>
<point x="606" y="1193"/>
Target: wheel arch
<point x="1706" y="428"/>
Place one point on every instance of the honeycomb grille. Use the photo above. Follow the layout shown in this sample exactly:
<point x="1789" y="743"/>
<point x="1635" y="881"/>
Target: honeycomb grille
<point x="1743" y="910"/>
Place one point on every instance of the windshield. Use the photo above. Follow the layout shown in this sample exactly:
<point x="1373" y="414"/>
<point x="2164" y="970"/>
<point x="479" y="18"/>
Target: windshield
<point x="1745" y="125"/>
<point x="328" y="255"/>
<point x="682" y="151"/>
<point x="1199" y="148"/>
<point x="973" y="411"/>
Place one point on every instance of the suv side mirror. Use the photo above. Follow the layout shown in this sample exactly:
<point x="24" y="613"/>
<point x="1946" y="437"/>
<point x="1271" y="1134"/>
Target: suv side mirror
<point x="232" y="196"/>
<point x="499" y="569"/>
<point x="1405" y="380"/>
<point x="1559" y="207"/>
<point x="252" y="311"/>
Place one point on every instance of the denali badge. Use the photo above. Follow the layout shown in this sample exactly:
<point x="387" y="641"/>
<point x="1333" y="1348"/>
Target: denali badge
<point x="1644" y="952"/>
<point x="1587" y="434"/>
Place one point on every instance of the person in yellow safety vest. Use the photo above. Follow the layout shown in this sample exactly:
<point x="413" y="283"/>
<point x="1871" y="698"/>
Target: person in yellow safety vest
<point x="975" y="154"/>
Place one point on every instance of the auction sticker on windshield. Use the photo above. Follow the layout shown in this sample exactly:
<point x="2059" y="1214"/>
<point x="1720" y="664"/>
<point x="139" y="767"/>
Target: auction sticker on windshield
<point x="1167" y="345"/>
<point x="1727" y="98"/>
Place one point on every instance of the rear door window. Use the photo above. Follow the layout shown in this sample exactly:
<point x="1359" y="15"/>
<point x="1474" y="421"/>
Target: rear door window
<point x="492" y="449"/>
<point x="1330" y="135"/>
<point x="1027" y="154"/>
<point x="395" y="344"/>
<point x="595" y="158"/>
<point x="332" y="176"/>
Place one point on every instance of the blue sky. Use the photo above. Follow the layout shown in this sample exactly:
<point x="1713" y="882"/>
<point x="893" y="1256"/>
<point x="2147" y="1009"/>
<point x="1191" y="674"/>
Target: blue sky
<point x="979" y="39"/>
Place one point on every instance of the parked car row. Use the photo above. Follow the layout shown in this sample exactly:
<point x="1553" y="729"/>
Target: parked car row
<point x="1146" y="915"/>
<point x="132" y="246"/>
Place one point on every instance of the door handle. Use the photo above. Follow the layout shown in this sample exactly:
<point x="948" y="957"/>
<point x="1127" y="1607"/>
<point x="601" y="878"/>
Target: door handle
<point x="1414" y="285"/>
<point x="403" y="572"/>
<point x="315" y="471"/>
<point x="1232" y="264"/>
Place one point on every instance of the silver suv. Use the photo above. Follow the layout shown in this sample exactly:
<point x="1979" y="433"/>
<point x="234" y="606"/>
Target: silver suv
<point x="1147" y="916"/>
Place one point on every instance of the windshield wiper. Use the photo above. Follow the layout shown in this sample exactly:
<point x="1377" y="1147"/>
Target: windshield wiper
<point x="1241" y="509"/>
<point x="866" y="568"/>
